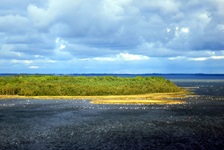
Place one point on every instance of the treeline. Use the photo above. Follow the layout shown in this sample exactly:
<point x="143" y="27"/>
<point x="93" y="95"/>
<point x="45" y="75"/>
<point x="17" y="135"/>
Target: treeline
<point x="37" y="85"/>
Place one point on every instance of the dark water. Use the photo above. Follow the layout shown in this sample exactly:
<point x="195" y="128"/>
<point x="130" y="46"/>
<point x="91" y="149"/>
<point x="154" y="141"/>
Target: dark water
<point x="68" y="124"/>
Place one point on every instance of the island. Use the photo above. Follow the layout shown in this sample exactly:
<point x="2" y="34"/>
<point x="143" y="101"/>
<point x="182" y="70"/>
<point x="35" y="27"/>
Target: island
<point x="97" y="89"/>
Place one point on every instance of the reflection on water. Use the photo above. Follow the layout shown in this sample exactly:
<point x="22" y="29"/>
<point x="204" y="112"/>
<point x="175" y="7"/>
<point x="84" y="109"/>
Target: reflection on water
<point x="70" y="124"/>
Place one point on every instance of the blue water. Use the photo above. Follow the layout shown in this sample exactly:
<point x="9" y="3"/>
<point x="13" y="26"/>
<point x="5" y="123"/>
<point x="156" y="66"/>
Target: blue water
<point x="69" y="124"/>
<point x="168" y="76"/>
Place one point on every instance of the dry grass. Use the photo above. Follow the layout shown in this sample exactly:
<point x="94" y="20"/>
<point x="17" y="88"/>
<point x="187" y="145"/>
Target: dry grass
<point x="137" y="102"/>
<point x="153" y="98"/>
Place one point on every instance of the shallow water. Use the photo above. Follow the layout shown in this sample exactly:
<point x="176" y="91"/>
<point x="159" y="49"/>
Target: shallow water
<point x="70" y="124"/>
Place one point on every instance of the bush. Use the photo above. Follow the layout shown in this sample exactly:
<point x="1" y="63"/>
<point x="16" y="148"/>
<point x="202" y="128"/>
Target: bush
<point x="37" y="85"/>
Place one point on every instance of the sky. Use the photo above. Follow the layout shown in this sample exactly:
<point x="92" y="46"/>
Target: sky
<point x="112" y="36"/>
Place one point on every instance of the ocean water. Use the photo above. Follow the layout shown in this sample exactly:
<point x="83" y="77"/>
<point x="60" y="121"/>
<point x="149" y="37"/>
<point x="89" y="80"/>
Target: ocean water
<point x="77" y="124"/>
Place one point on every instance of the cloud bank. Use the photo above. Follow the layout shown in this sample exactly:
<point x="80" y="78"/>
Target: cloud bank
<point x="112" y="36"/>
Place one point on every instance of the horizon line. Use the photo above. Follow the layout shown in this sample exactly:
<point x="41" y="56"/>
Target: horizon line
<point x="111" y="73"/>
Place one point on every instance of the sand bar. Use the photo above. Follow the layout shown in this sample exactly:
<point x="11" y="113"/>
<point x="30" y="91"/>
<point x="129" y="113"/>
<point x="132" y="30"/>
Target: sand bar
<point x="153" y="98"/>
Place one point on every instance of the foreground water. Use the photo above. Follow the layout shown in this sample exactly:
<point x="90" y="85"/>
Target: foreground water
<point x="68" y="124"/>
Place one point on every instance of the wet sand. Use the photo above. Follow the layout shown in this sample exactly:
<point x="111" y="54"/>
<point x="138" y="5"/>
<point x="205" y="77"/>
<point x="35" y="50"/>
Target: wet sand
<point x="73" y="124"/>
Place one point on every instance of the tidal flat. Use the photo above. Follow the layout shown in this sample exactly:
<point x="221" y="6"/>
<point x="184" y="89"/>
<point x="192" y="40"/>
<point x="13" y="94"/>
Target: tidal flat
<point x="78" y="124"/>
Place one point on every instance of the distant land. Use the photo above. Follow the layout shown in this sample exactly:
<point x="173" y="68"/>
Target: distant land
<point x="170" y="76"/>
<point x="100" y="89"/>
<point x="109" y="74"/>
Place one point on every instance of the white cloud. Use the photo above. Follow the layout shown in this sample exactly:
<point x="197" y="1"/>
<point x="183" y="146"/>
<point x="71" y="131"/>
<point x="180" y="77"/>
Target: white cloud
<point x="131" y="57"/>
<point x="105" y="31"/>
<point x="27" y="62"/>
<point x="103" y="59"/>
<point x="33" y="67"/>
<point x="207" y="58"/>
<point x="211" y="52"/>
<point x="121" y="57"/>
<point x="184" y="30"/>
<point x="37" y="56"/>
<point x="217" y="57"/>
<point x="62" y="46"/>
<point x="168" y="30"/>
<point x="177" y="58"/>
<point x="115" y="8"/>
<point x="51" y="61"/>
<point x="204" y="17"/>
<point x="57" y="40"/>
<point x="61" y="43"/>
<point x="196" y="58"/>
<point x="199" y="59"/>
<point x="180" y="32"/>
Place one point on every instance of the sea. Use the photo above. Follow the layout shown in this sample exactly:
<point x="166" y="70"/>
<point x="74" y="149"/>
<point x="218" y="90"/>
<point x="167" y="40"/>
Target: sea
<point x="78" y="124"/>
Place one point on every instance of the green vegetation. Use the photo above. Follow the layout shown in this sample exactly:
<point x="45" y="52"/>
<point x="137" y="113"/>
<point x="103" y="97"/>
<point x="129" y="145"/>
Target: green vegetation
<point x="37" y="85"/>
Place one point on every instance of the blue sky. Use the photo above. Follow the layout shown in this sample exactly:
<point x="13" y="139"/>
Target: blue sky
<point x="112" y="36"/>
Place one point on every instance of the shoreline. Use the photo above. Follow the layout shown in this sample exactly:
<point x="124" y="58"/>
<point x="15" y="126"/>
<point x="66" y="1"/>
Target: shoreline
<point x="147" y="99"/>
